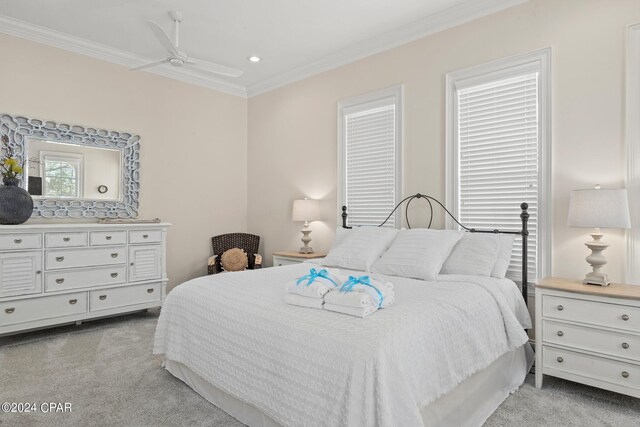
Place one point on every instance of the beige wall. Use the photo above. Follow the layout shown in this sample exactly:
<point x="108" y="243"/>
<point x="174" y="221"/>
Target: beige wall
<point x="292" y="130"/>
<point x="193" y="148"/>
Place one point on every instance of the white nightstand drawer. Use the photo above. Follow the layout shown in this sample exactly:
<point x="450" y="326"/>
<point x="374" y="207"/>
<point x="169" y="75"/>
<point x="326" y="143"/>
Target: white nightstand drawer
<point x="598" y="368"/>
<point x="145" y="236"/>
<point x="103" y="238"/>
<point x="592" y="312"/>
<point x="586" y="338"/>
<point x="28" y="310"/>
<point x="280" y="261"/>
<point x="118" y="297"/>
<point x="75" y="279"/>
<point x="90" y="257"/>
<point x="20" y="241"/>
<point x="65" y="240"/>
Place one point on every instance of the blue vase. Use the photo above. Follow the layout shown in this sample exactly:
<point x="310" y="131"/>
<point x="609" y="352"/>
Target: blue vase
<point x="16" y="204"/>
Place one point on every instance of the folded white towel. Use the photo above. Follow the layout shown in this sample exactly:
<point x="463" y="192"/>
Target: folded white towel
<point x="302" y="301"/>
<point x="352" y="311"/>
<point x="363" y="295"/>
<point x="349" y="299"/>
<point x="318" y="287"/>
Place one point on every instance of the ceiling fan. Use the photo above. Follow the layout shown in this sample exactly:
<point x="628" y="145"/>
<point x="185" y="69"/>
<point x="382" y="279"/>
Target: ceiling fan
<point x="178" y="58"/>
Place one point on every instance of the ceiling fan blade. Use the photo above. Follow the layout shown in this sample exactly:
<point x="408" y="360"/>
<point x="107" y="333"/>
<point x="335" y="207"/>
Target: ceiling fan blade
<point x="210" y="67"/>
<point x="149" y="65"/>
<point x="164" y="38"/>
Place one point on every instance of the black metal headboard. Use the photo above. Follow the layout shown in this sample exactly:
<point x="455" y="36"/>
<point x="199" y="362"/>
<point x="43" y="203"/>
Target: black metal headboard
<point x="524" y="232"/>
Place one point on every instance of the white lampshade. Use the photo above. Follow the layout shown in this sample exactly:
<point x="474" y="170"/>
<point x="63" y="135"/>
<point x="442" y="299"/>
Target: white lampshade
<point x="599" y="208"/>
<point x="306" y="210"/>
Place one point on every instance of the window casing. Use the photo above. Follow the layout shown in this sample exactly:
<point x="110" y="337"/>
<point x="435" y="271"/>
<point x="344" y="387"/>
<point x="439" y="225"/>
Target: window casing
<point x="498" y="156"/>
<point x="61" y="175"/>
<point x="369" y="156"/>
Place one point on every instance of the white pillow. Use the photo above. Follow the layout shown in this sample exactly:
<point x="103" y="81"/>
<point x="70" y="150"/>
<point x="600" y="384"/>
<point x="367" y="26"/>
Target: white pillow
<point x="505" y="247"/>
<point x="417" y="253"/>
<point x="361" y="247"/>
<point x="341" y="234"/>
<point x="475" y="254"/>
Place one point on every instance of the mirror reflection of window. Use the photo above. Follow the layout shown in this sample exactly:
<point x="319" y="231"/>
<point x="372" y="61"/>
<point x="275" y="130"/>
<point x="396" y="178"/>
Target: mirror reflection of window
<point x="62" y="175"/>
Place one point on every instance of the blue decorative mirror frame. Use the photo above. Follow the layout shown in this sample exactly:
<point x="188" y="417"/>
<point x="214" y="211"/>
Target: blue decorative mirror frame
<point x="19" y="129"/>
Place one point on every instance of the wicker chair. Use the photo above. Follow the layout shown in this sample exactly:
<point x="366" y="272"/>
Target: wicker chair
<point x="247" y="242"/>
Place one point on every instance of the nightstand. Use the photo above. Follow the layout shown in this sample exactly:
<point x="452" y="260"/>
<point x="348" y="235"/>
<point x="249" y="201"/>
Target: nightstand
<point x="288" y="258"/>
<point x="589" y="334"/>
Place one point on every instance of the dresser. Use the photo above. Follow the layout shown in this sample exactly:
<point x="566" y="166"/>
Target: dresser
<point x="288" y="258"/>
<point x="589" y="334"/>
<point x="64" y="273"/>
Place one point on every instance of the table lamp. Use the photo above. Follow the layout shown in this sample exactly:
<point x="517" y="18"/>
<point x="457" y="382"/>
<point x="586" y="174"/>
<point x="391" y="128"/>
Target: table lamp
<point x="598" y="208"/>
<point x="306" y="210"/>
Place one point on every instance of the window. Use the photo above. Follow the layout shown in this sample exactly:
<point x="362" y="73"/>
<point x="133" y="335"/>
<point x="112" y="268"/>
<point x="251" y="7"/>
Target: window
<point x="369" y="145"/>
<point x="498" y="152"/>
<point x="62" y="175"/>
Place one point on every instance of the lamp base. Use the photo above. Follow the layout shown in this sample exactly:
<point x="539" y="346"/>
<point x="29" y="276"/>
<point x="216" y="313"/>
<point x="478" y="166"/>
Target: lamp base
<point x="306" y="249"/>
<point x="600" y="279"/>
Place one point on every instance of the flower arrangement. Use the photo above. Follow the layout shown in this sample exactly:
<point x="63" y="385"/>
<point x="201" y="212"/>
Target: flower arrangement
<point x="10" y="168"/>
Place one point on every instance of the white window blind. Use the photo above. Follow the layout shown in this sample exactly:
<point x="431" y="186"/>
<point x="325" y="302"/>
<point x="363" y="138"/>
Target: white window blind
<point x="370" y="157"/>
<point x="498" y="137"/>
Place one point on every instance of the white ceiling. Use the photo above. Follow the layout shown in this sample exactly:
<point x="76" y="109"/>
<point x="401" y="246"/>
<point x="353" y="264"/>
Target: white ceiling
<point x="295" y="38"/>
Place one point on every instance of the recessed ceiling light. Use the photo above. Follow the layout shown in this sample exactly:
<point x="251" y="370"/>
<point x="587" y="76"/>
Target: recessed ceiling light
<point x="254" y="58"/>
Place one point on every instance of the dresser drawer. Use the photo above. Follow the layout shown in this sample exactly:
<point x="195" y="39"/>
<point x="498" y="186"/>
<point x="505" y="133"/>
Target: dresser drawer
<point x="65" y="240"/>
<point x="28" y="310"/>
<point x="598" y="368"/>
<point x="145" y="236"/>
<point x="20" y="241"/>
<point x="585" y="338"/>
<point x="74" y="279"/>
<point x="89" y="257"/>
<point x="121" y="297"/>
<point x="102" y="238"/>
<point x="592" y="312"/>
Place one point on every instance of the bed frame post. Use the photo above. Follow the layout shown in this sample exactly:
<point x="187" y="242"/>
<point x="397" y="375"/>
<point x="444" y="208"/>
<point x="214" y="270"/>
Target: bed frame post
<point x="344" y="217"/>
<point x="524" y="216"/>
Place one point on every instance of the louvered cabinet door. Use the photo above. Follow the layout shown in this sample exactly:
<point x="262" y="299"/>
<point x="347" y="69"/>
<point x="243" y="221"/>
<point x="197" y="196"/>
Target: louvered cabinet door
<point x="20" y="273"/>
<point x="144" y="262"/>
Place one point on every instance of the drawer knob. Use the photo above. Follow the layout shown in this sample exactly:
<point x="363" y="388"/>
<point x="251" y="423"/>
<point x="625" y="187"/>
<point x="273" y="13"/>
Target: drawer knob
<point x="108" y="237"/>
<point x="560" y="359"/>
<point x="73" y="301"/>
<point x="625" y="345"/>
<point x="102" y="297"/>
<point x="560" y="333"/>
<point x="59" y="280"/>
<point x="114" y="255"/>
<point x="114" y="275"/>
<point x="625" y="317"/>
<point x="9" y="310"/>
<point x="17" y="241"/>
<point x="625" y="374"/>
<point x="59" y="258"/>
<point x="38" y="271"/>
<point x="131" y="264"/>
<point x="66" y="239"/>
<point x="145" y="236"/>
<point x="150" y="290"/>
<point x="560" y="308"/>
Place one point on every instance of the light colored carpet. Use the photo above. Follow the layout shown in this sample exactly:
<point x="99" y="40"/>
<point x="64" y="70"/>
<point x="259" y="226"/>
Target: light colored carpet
<point x="105" y="369"/>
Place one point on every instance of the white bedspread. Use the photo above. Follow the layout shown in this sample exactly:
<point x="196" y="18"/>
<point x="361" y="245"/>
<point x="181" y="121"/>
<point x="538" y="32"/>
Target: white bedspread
<point x="310" y="367"/>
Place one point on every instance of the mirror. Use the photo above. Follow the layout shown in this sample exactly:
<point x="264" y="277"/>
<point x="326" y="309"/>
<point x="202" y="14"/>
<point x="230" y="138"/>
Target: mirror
<point x="73" y="171"/>
<point x="70" y="171"/>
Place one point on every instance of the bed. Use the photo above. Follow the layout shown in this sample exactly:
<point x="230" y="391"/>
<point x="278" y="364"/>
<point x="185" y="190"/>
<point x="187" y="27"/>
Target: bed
<point x="448" y="352"/>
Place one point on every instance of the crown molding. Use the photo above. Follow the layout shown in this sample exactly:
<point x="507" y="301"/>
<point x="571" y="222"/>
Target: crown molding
<point x="448" y="18"/>
<point x="39" y="34"/>
<point x="445" y="19"/>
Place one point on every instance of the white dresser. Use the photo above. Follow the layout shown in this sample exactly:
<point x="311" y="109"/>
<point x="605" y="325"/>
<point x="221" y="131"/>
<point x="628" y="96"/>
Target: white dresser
<point x="55" y="274"/>
<point x="589" y="334"/>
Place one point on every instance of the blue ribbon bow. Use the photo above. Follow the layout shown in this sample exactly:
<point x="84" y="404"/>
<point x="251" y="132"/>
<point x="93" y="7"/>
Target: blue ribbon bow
<point x="313" y="275"/>
<point x="362" y="280"/>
